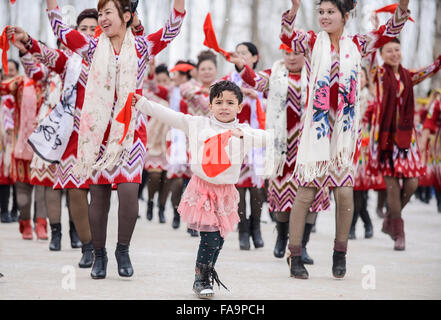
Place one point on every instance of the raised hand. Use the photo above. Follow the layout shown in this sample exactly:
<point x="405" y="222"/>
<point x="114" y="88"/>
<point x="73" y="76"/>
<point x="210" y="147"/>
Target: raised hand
<point x="136" y="98"/>
<point x="19" y="36"/>
<point x="375" y="20"/>
<point x="295" y="7"/>
<point x="296" y="3"/>
<point x="237" y="60"/>
<point x="51" y="4"/>
<point x="136" y="21"/>
<point x="404" y="5"/>
<point x="250" y="93"/>
<point x="18" y="33"/>
<point x="238" y="133"/>
<point x="180" y="5"/>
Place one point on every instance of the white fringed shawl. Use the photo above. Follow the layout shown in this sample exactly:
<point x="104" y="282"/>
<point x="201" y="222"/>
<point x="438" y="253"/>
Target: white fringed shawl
<point x="319" y="151"/>
<point x="106" y="75"/>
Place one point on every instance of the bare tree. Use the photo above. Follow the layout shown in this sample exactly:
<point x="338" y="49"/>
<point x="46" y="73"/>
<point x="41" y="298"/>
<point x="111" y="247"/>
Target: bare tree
<point x="189" y="24"/>
<point x="255" y="38"/>
<point x="436" y="81"/>
<point x="225" y="31"/>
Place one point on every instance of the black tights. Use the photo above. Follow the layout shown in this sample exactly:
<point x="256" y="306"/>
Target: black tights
<point x="99" y="211"/>
<point x="360" y="208"/>
<point x="209" y="247"/>
<point x="256" y="202"/>
<point x="156" y="182"/>
<point x="4" y="197"/>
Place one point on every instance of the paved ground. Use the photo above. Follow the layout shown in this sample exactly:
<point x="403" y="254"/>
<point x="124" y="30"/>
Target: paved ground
<point x="163" y="261"/>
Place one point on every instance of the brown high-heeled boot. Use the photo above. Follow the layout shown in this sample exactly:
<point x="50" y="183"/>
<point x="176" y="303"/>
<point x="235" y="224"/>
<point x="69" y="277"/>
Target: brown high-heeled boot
<point x="398" y="234"/>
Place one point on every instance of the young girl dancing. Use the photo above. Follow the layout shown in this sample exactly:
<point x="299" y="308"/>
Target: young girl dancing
<point x="218" y="145"/>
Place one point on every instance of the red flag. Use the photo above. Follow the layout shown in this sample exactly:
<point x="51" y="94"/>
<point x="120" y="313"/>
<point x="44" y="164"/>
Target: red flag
<point x="215" y="160"/>
<point x="4" y="46"/>
<point x="125" y="116"/>
<point x="98" y="32"/>
<point x="210" y="37"/>
<point x="391" y="9"/>
<point x="285" y="47"/>
<point x="12" y="1"/>
<point x="261" y="116"/>
<point x="183" y="67"/>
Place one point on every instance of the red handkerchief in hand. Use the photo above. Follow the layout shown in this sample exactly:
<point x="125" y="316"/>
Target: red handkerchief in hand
<point x="210" y="38"/>
<point x="391" y="9"/>
<point x="4" y="46"/>
<point x="215" y="159"/>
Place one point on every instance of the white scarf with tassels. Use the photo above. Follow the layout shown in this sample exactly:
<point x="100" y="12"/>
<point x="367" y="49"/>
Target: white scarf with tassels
<point x="320" y="151"/>
<point x="107" y="75"/>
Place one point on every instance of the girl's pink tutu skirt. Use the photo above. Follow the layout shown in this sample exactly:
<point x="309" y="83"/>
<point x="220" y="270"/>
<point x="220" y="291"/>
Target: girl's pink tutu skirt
<point x="210" y="207"/>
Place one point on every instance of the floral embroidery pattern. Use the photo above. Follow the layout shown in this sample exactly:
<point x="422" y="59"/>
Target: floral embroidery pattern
<point x="347" y="99"/>
<point x="321" y="109"/>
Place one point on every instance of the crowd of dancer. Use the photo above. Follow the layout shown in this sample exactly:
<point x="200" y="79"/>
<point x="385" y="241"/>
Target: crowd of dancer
<point x="97" y="114"/>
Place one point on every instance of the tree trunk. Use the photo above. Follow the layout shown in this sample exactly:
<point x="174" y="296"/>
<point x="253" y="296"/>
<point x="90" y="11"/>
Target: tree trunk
<point x="255" y="38"/>
<point x="436" y="80"/>
<point x="189" y="25"/>
<point x="225" y="32"/>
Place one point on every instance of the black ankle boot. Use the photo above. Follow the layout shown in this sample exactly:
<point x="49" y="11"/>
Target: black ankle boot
<point x="87" y="258"/>
<point x="14" y="215"/>
<point x="339" y="264"/>
<point x="161" y="214"/>
<point x="297" y="268"/>
<point x="244" y="234"/>
<point x="125" y="268"/>
<point x="99" y="268"/>
<point x="55" y="244"/>
<point x="192" y="232"/>
<point x="368" y="230"/>
<point x="352" y="235"/>
<point x="306" y="259"/>
<point x="75" y="241"/>
<point x="176" y="219"/>
<point x="256" y="234"/>
<point x="282" y="239"/>
<point x="202" y="285"/>
<point x="149" y="210"/>
<point x="438" y="200"/>
<point x="6" y="217"/>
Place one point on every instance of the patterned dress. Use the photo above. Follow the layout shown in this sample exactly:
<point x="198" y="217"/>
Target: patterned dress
<point x="433" y="123"/>
<point x="156" y="158"/>
<point x="427" y="180"/>
<point x="6" y="124"/>
<point x="57" y="61"/>
<point x="248" y="177"/>
<point x="20" y="168"/>
<point x="146" y="47"/>
<point x="363" y="181"/>
<point x="197" y="101"/>
<point x="281" y="190"/>
<point x="304" y="42"/>
<point x="405" y="165"/>
<point x="42" y="173"/>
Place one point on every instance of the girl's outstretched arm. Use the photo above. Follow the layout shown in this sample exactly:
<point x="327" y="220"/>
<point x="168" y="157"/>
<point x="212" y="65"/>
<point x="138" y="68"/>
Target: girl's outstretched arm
<point x="170" y="117"/>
